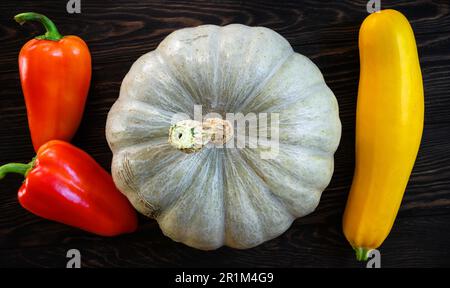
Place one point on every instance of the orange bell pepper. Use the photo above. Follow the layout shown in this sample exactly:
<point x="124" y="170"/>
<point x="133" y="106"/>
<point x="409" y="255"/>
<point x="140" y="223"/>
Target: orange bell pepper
<point x="55" y="73"/>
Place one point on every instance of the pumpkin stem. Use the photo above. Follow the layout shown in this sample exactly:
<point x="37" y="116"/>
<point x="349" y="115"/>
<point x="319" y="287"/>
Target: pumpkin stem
<point x="191" y="136"/>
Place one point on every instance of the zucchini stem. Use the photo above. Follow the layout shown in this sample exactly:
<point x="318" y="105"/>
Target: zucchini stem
<point x="362" y="254"/>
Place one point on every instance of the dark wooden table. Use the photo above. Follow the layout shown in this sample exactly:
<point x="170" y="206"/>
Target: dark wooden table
<point x="118" y="32"/>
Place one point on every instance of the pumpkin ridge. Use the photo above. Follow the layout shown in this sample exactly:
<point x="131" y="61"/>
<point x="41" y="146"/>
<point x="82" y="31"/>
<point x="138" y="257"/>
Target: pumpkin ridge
<point x="253" y="47"/>
<point x="258" y="174"/>
<point x="200" y="157"/>
<point x="306" y="183"/>
<point x="259" y="195"/>
<point x="207" y="169"/>
<point x="229" y="104"/>
<point x="231" y="241"/>
<point x="291" y="100"/>
<point x="216" y="93"/>
<point x="117" y="138"/>
<point x="257" y="89"/>
<point x="170" y="68"/>
<point x="142" y="186"/>
<point x="163" y="79"/>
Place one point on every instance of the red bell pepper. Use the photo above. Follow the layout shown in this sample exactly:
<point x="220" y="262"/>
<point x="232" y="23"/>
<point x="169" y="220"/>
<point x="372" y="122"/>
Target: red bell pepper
<point x="55" y="74"/>
<point x="64" y="184"/>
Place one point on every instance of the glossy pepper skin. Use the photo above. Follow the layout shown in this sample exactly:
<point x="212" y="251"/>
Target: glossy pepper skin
<point x="64" y="184"/>
<point x="55" y="73"/>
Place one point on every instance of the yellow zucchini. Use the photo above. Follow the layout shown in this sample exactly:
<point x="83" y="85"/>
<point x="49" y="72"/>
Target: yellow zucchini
<point x="389" y="124"/>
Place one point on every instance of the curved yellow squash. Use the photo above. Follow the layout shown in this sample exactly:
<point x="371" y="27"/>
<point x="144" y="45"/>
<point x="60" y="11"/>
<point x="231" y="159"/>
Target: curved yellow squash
<point x="389" y="124"/>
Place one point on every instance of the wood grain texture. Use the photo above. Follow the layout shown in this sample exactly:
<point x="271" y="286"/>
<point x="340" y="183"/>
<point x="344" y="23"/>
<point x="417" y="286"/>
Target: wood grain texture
<point x="118" y="32"/>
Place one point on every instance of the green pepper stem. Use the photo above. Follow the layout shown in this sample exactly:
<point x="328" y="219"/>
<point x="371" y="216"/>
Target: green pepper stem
<point x="51" y="30"/>
<point x="362" y="254"/>
<point x="18" y="168"/>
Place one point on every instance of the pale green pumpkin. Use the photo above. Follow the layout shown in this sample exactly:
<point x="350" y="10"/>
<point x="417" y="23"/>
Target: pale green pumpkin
<point x="223" y="196"/>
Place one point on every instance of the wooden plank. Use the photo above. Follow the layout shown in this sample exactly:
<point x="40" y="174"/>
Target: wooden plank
<point x="411" y="244"/>
<point x="118" y="32"/>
